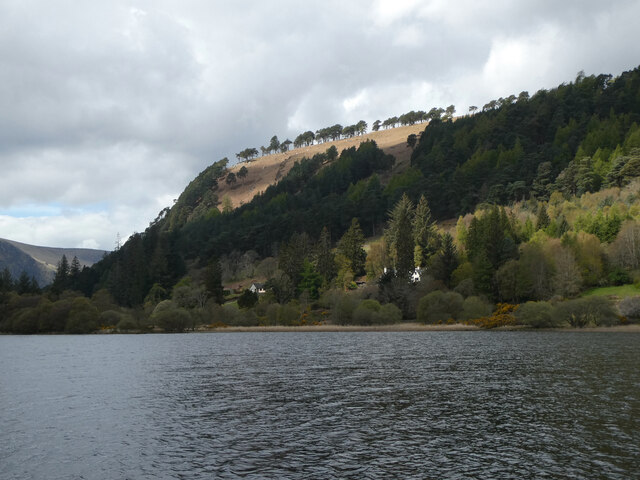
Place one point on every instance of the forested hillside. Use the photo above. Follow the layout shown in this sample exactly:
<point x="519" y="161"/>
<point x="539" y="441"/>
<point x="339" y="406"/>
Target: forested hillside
<point x="544" y="188"/>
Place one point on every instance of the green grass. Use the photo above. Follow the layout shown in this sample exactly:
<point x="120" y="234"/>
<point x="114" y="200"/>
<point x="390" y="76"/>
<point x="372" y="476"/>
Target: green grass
<point x="621" y="291"/>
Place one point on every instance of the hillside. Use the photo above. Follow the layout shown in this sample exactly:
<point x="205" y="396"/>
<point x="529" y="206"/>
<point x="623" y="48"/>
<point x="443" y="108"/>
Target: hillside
<point x="41" y="262"/>
<point x="545" y="189"/>
<point x="267" y="170"/>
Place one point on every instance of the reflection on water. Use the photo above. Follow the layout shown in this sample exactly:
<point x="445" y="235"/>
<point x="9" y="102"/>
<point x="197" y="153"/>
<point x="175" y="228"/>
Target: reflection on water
<point x="321" y="405"/>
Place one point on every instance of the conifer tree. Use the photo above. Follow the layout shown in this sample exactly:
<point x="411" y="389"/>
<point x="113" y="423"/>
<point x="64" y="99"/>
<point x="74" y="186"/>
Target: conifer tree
<point x="351" y="247"/>
<point x="61" y="279"/>
<point x="325" y="258"/>
<point x="399" y="236"/>
<point x="543" y="220"/>
<point x="213" y="281"/>
<point x="424" y="232"/>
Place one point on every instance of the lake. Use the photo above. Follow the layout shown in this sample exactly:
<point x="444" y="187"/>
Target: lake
<point x="427" y="405"/>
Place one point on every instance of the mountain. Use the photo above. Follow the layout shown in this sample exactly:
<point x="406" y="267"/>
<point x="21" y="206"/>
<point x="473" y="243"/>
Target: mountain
<point x="41" y="262"/>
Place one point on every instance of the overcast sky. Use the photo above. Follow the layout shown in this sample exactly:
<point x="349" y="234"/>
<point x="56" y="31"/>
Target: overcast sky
<point x="109" y="108"/>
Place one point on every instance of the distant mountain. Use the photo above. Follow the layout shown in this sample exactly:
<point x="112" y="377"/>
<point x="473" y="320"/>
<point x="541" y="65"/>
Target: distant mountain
<point x="41" y="262"/>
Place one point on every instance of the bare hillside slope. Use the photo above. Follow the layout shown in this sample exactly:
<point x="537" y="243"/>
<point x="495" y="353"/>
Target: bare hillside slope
<point x="267" y="170"/>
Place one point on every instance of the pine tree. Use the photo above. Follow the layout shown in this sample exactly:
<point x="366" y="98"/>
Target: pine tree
<point x="325" y="258"/>
<point x="213" y="281"/>
<point x="424" y="232"/>
<point x="351" y="247"/>
<point x="446" y="261"/>
<point x="400" y="238"/>
<point x="543" y="220"/>
<point x="61" y="279"/>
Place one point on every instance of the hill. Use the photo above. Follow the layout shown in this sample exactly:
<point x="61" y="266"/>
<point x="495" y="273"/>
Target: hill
<point x="545" y="189"/>
<point x="41" y="262"/>
<point x="268" y="170"/>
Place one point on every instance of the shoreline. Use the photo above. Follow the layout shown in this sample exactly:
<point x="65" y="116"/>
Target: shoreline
<point x="412" y="327"/>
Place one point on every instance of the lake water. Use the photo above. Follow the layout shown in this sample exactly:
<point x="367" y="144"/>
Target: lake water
<point x="427" y="405"/>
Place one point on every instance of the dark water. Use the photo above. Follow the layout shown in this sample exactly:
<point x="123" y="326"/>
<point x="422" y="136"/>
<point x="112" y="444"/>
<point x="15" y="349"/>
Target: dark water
<point x="453" y="405"/>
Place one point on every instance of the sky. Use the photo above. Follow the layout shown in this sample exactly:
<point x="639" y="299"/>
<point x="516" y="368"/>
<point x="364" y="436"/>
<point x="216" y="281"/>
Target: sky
<point x="109" y="108"/>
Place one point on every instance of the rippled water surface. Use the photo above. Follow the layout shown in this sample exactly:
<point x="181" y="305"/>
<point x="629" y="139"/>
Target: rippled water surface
<point x="517" y="405"/>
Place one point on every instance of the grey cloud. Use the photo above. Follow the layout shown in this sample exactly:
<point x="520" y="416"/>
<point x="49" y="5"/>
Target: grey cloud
<point x="120" y="97"/>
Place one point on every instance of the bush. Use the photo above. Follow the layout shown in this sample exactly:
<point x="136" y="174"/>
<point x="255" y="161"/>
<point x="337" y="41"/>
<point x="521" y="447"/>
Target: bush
<point x="248" y="299"/>
<point x="538" y="315"/>
<point x="503" y="316"/>
<point x="367" y="313"/>
<point x="589" y="310"/>
<point x="110" y="318"/>
<point x="126" y="323"/>
<point x="175" y="319"/>
<point x="390" y="313"/>
<point x="630" y="307"/>
<point x="288" y="315"/>
<point x="25" y="321"/>
<point x="341" y="304"/>
<point x="438" y="306"/>
<point x="465" y="288"/>
<point x="83" y="317"/>
<point x="618" y="276"/>
<point x="475" y="307"/>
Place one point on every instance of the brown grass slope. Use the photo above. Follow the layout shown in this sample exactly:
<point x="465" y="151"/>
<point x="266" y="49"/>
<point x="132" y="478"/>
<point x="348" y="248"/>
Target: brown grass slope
<point x="267" y="170"/>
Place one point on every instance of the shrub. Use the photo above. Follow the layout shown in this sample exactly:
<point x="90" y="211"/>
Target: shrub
<point x="248" y="299"/>
<point x="175" y="319"/>
<point x="589" y="310"/>
<point x="503" y="316"/>
<point x="438" y="306"/>
<point x="367" y="313"/>
<point x="109" y="318"/>
<point x="390" y="313"/>
<point x="25" y="321"/>
<point x="465" y="288"/>
<point x="288" y="315"/>
<point x="126" y="323"/>
<point x="618" y="276"/>
<point x="83" y="317"/>
<point x="538" y="315"/>
<point x="630" y="307"/>
<point x="475" y="307"/>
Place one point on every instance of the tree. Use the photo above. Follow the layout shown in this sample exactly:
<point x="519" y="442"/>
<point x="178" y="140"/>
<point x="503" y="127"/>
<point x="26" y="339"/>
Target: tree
<point x="74" y="271"/>
<point x="567" y="278"/>
<point x="310" y="281"/>
<point x="227" y="205"/>
<point x="243" y="172"/>
<point x="411" y="140"/>
<point x="284" y="146"/>
<point x="439" y="306"/>
<point x="231" y="178"/>
<point x="351" y="247"/>
<point x="274" y="144"/>
<point x="361" y="127"/>
<point x="61" y="279"/>
<point x="424" y="233"/>
<point x="542" y="220"/>
<point x="213" y="281"/>
<point x="399" y="236"/>
<point x="332" y="153"/>
<point x="325" y="258"/>
<point x="472" y="109"/>
<point x="376" y="125"/>
<point x="248" y="299"/>
<point x="449" y="111"/>
<point x="446" y="261"/>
